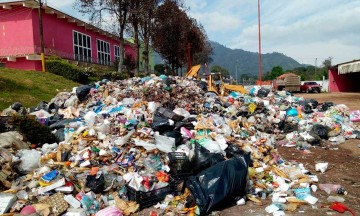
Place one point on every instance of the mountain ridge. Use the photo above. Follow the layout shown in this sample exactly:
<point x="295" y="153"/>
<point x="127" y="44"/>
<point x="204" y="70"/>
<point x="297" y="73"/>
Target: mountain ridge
<point x="247" y="62"/>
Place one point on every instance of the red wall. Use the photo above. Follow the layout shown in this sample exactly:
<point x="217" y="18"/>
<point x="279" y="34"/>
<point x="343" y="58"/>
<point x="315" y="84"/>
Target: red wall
<point x="343" y="82"/>
<point x="16" y="32"/>
<point x="58" y="35"/>
<point x="22" y="63"/>
<point x="19" y="35"/>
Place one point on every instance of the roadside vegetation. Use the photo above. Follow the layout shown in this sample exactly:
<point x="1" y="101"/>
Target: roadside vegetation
<point x="30" y="87"/>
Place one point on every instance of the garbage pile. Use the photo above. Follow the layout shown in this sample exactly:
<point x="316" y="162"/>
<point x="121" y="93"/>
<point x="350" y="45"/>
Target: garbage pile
<point x="164" y="141"/>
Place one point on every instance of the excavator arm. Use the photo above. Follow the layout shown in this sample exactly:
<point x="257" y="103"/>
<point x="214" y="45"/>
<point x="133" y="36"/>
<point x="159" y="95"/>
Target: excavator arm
<point x="194" y="71"/>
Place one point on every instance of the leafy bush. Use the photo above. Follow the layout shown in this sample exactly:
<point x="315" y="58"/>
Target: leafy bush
<point x="33" y="131"/>
<point x="67" y="70"/>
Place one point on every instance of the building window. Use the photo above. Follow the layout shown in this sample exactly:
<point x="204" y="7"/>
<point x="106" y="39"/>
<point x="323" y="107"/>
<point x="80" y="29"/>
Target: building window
<point x="103" y="52"/>
<point x="117" y="52"/>
<point x="82" y="47"/>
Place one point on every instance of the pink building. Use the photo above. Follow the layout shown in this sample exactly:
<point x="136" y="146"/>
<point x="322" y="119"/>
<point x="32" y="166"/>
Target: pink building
<point x="64" y="36"/>
<point x="345" y="77"/>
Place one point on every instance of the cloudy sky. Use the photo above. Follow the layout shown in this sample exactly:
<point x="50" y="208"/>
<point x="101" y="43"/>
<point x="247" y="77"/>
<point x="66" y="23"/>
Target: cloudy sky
<point x="302" y="29"/>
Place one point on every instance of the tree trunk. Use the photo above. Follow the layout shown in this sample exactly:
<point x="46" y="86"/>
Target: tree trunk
<point x="137" y="51"/>
<point x="146" y="55"/>
<point x="121" y="57"/>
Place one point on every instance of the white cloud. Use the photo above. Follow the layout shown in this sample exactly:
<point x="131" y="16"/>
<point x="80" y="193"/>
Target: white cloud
<point x="307" y="34"/>
<point x="217" y="22"/>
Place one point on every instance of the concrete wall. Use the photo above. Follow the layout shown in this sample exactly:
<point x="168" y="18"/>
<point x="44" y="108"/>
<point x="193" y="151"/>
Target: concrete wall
<point x="58" y="36"/>
<point x="16" y="32"/>
<point x="23" y="64"/>
<point x="343" y="82"/>
<point x="19" y="36"/>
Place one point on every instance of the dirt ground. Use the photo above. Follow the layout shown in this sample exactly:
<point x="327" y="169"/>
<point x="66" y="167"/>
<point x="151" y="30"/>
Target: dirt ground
<point x="344" y="163"/>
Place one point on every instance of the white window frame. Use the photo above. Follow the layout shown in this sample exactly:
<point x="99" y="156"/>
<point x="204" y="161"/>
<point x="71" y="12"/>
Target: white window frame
<point x="102" y="53"/>
<point x="78" y="57"/>
<point x="118" y="54"/>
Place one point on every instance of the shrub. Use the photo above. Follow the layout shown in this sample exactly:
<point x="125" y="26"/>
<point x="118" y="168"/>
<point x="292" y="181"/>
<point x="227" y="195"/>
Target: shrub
<point x="67" y="70"/>
<point x="33" y="131"/>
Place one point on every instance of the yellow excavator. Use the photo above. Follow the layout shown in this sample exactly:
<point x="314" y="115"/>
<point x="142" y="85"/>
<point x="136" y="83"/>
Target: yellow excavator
<point x="215" y="82"/>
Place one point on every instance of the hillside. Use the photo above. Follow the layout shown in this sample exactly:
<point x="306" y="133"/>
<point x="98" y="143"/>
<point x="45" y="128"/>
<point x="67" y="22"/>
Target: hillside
<point x="248" y="61"/>
<point x="30" y="87"/>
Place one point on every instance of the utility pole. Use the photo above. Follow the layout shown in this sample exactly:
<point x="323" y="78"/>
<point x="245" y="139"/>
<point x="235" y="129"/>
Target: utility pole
<point x="260" y="65"/>
<point x="41" y="37"/>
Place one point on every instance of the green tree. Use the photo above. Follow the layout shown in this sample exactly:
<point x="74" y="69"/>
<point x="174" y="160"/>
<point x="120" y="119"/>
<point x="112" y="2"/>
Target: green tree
<point x="275" y="72"/>
<point x="218" y="69"/>
<point x="100" y="10"/>
<point x="160" y="68"/>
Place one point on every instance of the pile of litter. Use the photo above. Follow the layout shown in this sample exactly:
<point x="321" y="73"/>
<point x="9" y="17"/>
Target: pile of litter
<point x="113" y="148"/>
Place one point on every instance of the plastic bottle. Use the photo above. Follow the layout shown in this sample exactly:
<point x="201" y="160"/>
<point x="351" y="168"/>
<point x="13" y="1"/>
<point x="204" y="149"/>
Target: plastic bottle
<point x="332" y="188"/>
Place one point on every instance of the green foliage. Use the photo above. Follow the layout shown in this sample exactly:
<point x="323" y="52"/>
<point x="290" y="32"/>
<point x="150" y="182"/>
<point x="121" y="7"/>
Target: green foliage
<point x="33" y="131"/>
<point x="67" y="70"/>
<point x="160" y="69"/>
<point x="275" y="72"/>
<point x="218" y="69"/>
<point x="30" y="87"/>
<point x="311" y="72"/>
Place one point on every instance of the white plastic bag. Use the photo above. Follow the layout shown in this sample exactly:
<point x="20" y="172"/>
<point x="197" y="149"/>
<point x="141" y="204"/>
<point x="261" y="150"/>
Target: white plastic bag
<point x="30" y="160"/>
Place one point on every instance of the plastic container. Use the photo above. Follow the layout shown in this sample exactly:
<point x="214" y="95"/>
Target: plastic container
<point x="179" y="165"/>
<point x="150" y="198"/>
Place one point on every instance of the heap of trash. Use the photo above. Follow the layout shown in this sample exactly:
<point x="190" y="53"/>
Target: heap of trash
<point x="114" y="148"/>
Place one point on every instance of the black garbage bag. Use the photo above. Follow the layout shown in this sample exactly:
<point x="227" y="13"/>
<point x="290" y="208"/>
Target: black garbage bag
<point x="289" y="127"/>
<point x="220" y="185"/>
<point x="60" y="136"/>
<point x="204" y="159"/>
<point x="325" y="106"/>
<point x="174" y="134"/>
<point x="95" y="184"/>
<point x="55" y="118"/>
<point x="168" y="81"/>
<point x="42" y="105"/>
<point x="320" y="130"/>
<point x="83" y="91"/>
<point x="307" y="109"/>
<point x="61" y="124"/>
<point x="167" y="113"/>
<point x="314" y="103"/>
<point x="203" y="85"/>
<point x="16" y="106"/>
<point x="357" y="133"/>
<point x="233" y="151"/>
<point x="263" y="92"/>
<point x="161" y="124"/>
<point x="185" y="124"/>
<point x="6" y="124"/>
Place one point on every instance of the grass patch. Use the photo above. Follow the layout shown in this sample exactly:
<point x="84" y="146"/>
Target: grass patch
<point x="30" y="87"/>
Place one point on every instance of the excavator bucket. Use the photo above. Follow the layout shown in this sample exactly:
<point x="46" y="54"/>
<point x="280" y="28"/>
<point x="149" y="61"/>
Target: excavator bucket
<point x="236" y="88"/>
<point x="194" y="71"/>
